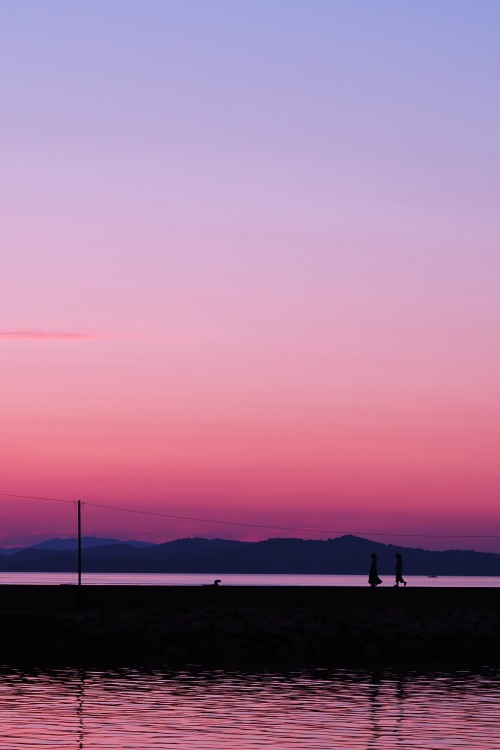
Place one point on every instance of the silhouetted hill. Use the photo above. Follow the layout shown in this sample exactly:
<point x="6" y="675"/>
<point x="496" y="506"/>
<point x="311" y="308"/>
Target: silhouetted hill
<point x="87" y="543"/>
<point x="344" y="555"/>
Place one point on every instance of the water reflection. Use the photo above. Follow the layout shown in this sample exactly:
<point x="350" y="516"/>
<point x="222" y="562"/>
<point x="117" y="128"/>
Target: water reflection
<point x="80" y="687"/>
<point x="131" y="709"/>
<point x="375" y="708"/>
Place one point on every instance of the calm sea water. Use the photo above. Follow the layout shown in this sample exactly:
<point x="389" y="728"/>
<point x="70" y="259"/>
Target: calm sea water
<point x="130" y="709"/>
<point x="192" y="579"/>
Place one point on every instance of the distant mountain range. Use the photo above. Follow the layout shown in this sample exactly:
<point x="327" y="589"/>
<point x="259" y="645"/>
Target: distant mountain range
<point x="344" y="555"/>
<point x="72" y="544"/>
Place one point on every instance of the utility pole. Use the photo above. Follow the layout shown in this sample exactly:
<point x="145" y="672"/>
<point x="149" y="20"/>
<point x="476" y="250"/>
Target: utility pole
<point x="79" y="543"/>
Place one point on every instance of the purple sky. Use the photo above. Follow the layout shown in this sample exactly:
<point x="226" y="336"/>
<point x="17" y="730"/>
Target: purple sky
<point x="250" y="266"/>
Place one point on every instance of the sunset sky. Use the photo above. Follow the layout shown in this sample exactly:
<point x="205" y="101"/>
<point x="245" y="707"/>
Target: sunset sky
<point x="249" y="269"/>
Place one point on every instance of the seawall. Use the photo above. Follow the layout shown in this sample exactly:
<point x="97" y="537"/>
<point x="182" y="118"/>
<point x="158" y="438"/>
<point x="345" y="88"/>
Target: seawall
<point x="247" y="627"/>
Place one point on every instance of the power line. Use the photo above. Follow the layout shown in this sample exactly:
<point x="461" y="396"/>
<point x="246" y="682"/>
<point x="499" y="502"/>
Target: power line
<point x="256" y="525"/>
<point x="36" y="497"/>
<point x="289" y="528"/>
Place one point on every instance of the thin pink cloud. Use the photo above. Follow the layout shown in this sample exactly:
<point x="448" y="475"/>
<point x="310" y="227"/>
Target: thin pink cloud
<point x="29" y="334"/>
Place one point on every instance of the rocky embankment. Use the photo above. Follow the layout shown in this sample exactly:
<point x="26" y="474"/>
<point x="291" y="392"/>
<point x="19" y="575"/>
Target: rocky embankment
<point x="254" y="637"/>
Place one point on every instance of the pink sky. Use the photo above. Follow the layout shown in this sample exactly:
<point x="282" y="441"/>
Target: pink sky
<point x="250" y="270"/>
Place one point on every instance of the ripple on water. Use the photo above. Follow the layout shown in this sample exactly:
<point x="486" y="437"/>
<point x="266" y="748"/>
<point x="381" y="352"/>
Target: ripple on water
<point x="214" y="710"/>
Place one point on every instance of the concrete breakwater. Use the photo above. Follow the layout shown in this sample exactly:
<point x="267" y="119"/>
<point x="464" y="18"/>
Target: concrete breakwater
<point x="235" y="631"/>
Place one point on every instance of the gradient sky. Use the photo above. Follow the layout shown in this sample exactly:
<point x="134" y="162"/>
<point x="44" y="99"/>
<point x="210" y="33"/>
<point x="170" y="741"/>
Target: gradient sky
<point x="250" y="268"/>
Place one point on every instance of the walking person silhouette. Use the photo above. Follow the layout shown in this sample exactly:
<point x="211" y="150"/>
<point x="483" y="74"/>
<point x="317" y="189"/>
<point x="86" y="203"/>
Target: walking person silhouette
<point x="399" y="571"/>
<point x="373" y="578"/>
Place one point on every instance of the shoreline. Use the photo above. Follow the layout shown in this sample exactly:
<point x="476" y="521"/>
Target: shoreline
<point x="241" y="627"/>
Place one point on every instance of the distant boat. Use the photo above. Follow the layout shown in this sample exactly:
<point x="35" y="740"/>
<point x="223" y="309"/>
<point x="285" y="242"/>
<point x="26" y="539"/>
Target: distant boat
<point x="432" y="576"/>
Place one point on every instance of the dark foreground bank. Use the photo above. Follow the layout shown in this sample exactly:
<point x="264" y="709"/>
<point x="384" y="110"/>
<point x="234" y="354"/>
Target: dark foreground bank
<point x="266" y="627"/>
